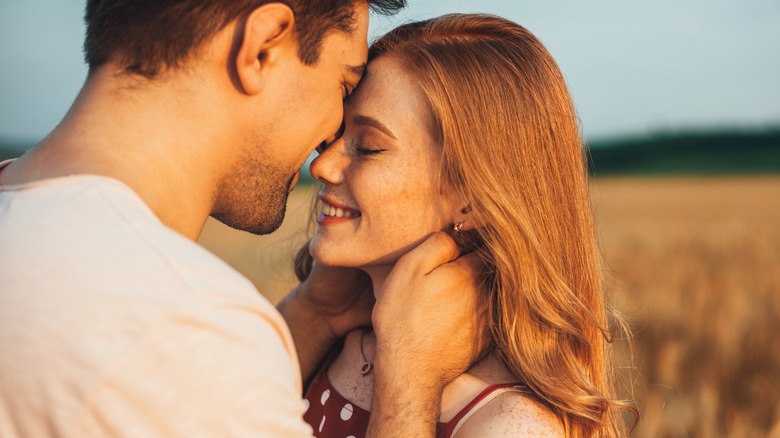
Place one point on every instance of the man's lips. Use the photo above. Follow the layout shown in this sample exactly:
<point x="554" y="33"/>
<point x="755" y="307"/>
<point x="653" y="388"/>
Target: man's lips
<point x="294" y="181"/>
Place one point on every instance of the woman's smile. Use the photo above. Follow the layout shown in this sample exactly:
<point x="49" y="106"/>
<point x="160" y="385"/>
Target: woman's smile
<point x="334" y="212"/>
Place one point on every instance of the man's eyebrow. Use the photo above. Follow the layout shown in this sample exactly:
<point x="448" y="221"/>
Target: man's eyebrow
<point x="362" y="120"/>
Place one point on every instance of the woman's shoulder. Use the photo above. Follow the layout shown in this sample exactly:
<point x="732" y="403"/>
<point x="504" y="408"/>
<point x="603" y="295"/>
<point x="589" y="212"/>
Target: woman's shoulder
<point x="512" y="414"/>
<point x="499" y="409"/>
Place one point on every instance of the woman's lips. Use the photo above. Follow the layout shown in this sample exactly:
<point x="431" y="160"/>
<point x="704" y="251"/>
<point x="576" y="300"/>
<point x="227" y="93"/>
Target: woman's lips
<point x="330" y="210"/>
<point x="334" y="212"/>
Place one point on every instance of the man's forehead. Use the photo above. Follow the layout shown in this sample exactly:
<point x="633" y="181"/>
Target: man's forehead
<point x="349" y="51"/>
<point x="359" y="38"/>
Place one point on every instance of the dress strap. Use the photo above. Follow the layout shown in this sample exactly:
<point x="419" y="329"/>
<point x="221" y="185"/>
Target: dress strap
<point x="486" y="396"/>
<point x="6" y="163"/>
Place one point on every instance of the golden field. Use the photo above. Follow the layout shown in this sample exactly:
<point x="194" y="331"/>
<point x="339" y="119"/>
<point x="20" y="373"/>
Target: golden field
<point x="693" y="265"/>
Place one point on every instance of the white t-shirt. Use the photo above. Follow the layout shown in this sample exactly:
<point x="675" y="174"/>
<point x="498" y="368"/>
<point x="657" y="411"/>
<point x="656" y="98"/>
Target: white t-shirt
<point x="111" y="324"/>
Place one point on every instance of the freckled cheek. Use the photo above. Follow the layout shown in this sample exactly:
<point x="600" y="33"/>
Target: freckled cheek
<point x="400" y="216"/>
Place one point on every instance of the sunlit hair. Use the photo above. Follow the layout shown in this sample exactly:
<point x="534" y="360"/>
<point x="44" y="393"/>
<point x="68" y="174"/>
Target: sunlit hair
<point x="511" y="147"/>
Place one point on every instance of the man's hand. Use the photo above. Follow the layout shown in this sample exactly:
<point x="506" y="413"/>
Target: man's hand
<point x="323" y="309"/>
<point x="428" y="330"/>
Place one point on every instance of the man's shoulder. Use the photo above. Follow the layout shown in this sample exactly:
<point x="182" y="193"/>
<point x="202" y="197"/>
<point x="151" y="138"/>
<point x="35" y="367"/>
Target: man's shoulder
<point x="88" y="261"/>
<point x="96" y="224"/>
<point x="135" y="365"/>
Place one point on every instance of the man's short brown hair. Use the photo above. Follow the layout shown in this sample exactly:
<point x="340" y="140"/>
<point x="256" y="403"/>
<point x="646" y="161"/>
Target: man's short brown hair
<point x="149" y="35"/>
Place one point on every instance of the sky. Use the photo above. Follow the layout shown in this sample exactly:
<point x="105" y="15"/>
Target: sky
<point x="634" y="67"/>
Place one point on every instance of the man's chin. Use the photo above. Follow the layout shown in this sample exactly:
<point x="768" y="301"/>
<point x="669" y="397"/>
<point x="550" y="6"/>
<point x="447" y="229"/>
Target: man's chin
<point x="260" y="224"/>
<point x="270" y="224"/>
<point x="254" y="199"/>
<point x="258" y="228"/>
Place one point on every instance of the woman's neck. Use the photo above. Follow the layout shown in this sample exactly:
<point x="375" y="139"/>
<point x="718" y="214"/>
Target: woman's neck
<point x="378" y="276"/>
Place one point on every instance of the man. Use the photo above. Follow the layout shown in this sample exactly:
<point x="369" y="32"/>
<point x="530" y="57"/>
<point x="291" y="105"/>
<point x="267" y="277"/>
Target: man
<point x="113" y="322"/>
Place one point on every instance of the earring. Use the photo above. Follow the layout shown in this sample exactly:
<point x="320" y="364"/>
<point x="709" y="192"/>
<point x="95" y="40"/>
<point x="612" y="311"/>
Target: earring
<point x="456" y="228"/>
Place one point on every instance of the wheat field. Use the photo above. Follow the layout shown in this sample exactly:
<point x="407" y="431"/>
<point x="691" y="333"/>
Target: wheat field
<point x="694" y="264"/>
<point x="694" y="267"/>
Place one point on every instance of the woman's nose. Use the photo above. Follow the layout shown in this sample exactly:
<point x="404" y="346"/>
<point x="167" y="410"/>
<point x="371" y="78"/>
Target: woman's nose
<point x="328" y="167"/>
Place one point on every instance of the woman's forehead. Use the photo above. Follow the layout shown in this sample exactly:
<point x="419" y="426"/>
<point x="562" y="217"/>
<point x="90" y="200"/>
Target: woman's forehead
<point x="389" y="93"/>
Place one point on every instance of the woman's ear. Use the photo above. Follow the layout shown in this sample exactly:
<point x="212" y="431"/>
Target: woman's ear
<point x="464" y="228"/>
<point x="267" y="35"/>
<point x="467" y="219"/>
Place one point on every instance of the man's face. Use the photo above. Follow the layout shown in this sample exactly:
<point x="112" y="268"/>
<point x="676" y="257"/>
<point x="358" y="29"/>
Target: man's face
<point x="307" y="103"/>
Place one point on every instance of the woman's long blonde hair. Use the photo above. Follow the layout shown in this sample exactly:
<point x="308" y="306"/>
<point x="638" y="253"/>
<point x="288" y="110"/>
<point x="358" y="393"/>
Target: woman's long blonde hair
<point x="511" y="147"/>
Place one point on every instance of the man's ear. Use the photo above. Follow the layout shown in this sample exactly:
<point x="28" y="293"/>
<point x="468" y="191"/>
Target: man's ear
<point x="267" y="29"/>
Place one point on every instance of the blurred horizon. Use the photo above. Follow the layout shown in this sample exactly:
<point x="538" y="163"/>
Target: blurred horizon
<point x="710" y="152"/>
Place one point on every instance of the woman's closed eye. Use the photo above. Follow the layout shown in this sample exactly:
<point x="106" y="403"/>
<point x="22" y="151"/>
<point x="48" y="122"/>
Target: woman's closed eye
<point x="364" y="150"/>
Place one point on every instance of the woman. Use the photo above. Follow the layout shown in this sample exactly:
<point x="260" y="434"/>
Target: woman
<point x="464" y="122"/>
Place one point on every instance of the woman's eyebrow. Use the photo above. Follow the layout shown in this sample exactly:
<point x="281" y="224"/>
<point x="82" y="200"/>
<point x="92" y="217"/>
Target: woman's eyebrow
<point x="362" y="120"/>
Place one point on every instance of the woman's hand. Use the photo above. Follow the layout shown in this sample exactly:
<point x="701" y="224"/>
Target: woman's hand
<point x="342" y="297"/>
<point x="324" y="308"/>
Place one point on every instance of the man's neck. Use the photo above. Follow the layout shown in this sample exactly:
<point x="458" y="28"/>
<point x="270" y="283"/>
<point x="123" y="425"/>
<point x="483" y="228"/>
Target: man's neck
<point x="154" y="139"/>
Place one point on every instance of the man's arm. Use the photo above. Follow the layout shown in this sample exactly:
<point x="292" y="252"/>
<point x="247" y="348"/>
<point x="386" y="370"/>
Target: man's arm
<point x="218" y="371"/>
<point x="428" y="332"/>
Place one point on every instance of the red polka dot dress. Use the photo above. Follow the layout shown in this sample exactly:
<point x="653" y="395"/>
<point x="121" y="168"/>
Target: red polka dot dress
<point x="333" y="416"/>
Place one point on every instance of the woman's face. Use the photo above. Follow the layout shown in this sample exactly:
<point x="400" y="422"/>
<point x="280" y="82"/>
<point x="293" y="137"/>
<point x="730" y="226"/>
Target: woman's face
<point x="380" y="192"/>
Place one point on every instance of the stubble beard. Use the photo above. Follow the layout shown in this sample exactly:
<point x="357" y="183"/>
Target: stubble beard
<point x="253" y="198"/>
